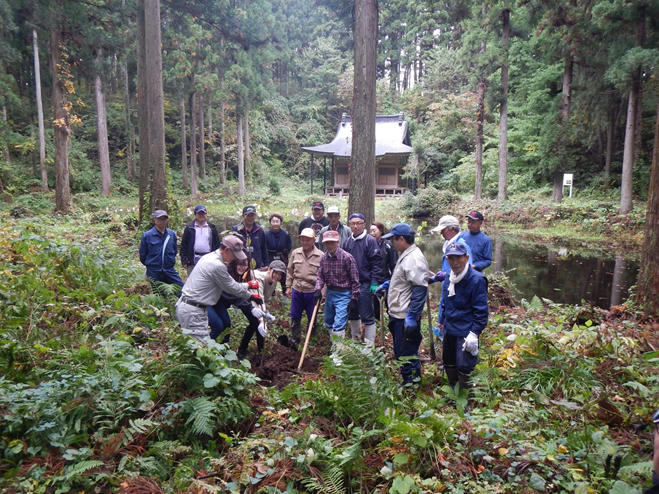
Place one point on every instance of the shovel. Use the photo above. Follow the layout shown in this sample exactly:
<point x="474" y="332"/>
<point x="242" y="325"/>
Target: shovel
<point x="306" y="340"/>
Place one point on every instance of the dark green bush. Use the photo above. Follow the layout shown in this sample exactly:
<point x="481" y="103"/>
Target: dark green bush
<point x="428" y="202"/>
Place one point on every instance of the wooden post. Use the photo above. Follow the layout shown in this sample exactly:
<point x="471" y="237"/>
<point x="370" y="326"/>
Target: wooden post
<point x="311" y="173"/>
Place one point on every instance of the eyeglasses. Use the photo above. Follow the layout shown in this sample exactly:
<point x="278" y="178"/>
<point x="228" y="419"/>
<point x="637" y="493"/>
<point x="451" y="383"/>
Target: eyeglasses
<point x="356" y="223"/>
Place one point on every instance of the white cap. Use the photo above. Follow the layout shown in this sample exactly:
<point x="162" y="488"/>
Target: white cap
<point x="307" y="232"/>
<point x="445" y="222"/>
<point x="333" y="209"/>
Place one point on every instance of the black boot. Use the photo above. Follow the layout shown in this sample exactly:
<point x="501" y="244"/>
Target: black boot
<point x="296" y="331"/>
<point x="463" y="379"/>
<point x="452" y="375"/>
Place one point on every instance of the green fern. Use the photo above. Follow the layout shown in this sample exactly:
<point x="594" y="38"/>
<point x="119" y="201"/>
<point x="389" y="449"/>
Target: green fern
<point x="202" y="417"/>
<point x="82" y="467"/>
<point x="329" y="483"/>
<point x="137" y="426"/>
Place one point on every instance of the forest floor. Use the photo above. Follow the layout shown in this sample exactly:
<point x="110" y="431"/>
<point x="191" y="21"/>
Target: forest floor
<point x="100" y="391"/>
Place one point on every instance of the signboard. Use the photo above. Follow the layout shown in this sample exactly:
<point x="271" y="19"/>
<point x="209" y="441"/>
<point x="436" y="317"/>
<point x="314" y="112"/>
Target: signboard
<point x="567" y="181"/>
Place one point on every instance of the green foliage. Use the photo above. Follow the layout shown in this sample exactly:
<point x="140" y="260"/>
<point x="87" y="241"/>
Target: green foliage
<point x="428" y="202"/>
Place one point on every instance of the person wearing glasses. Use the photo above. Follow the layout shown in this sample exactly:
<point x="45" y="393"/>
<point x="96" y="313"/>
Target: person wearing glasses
<point x="366" y="251"/>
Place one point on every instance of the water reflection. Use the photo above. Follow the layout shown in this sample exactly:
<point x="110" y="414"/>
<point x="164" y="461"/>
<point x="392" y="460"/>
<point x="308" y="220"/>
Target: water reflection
<point x="548" y="272"/>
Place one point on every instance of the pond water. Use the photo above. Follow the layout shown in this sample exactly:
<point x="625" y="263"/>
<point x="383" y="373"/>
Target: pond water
<point x="558" y="273"/>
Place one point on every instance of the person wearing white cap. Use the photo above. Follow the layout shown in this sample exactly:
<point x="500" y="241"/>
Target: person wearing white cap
<point x="205" y="286"/>
<point x="334" y="215"/>
<point x="449" y="228"/>
<point x="301" y="281"/>
<point x="158" y="251"/>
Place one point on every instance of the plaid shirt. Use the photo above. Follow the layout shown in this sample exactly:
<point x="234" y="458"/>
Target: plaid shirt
<point x="338" y="271"/>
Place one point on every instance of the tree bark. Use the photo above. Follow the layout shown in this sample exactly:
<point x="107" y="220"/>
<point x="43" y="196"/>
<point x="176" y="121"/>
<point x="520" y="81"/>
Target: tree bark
<point x="61" y="124"/>
<point x="4" y="121"/>
<point x="193" y="145"/>
<point x="503" y="118"/>
<point x="241" y="159"/>
<point x="130" y="130"/>
<point x="42" y="128"/>
<point x="648" y="276"/>
<point x="480" y="117"/>
<point x="626" y="185"/>
<point x="202" y="139"/>
<point x="248" y="154"/>
<point x="362" y="174"/>
<point x="563" y="142"/>
<point x="102" y="134"/>
<point x="223" y="164"/>
<point x="184" y="147"/>
<point x="153" y="168"/>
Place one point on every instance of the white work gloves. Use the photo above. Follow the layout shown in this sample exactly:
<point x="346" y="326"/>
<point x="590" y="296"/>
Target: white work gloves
<point x="471" y="344"/>
<point x="262" y="330"/>
<point x="269" y="317"/>
<point x="258" y="313"/>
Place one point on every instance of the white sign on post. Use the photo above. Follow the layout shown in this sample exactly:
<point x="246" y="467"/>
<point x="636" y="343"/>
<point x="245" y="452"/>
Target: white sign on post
<point x="567" y="180"/>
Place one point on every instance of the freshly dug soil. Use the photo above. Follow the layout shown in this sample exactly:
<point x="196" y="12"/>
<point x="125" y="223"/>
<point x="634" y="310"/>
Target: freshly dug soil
<point x="277" y="365"/>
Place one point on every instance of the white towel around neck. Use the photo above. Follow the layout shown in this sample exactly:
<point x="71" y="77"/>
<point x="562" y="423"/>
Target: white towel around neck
<point x="456" y="279"/>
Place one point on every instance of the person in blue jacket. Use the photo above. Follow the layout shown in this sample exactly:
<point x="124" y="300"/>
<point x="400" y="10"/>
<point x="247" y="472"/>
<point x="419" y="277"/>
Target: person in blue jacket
<point x="480" y="244"/>
<point x="158" y="248"/>
<point x="465" y="314"/>
<point x="366" y="251"/>
<point x="253" y="237"/>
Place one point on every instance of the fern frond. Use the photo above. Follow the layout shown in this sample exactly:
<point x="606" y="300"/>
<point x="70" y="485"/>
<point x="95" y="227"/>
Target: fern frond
<point x="137" y="426"/>
<point x="330" y="483"/>
<point x="82" y="467"/>
<point x="202" y="417"/>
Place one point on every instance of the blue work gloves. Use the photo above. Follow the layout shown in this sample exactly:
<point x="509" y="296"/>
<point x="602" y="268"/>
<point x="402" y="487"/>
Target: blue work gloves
<point x="439" y="277"/>
<point x="471" y="343"/>
<point x="410" y="325"/>
<point x="382" y="288"/>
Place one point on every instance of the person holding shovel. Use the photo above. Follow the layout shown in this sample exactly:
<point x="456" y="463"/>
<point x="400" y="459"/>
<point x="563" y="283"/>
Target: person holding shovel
<point x="338" y="272"/>
<point x="301" y="281"/>
<point x="267" y="283"/>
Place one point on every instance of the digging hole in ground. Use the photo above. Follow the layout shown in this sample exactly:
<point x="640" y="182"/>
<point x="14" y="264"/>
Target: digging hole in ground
<point x="277" y="365"/>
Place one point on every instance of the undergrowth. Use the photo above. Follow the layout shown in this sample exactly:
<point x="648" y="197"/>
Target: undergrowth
<point x="101" y="392"/>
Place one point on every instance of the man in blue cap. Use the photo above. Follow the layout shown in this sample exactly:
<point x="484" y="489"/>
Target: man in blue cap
<point x="480" y="244"/>
<point x="158" y="251"/>
<point x="366" y="251"/>
<point x="407" y="292"/>
<point x="199" y="238"/>
<point x="464" y="314"/>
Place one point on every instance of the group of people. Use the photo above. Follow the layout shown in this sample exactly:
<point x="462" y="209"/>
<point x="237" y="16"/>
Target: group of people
<point x="356" y="271"/>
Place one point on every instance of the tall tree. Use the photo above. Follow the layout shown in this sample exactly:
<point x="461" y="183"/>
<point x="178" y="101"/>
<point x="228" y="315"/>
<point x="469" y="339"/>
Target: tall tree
<point x="503" y="111"/>
<point x="241" y="159"/>
<point x="42" y="129"/>
<point x="153" y="176"/>
<point x="648" y="276"/>
<point x="362" y="173"/>
<point x="184" y="146"/>
<point x="102" y="130"/>
<point x="62" y="128"/>
<point x="193" y="145"/>
<point x="202" y="139"/>
<point x="633" y="107"/>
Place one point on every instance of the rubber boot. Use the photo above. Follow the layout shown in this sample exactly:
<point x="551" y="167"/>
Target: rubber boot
<point x="356" y="329"/>
<point x="296" y="332"/>
<point x="369" y="332"/>
<point x="452" y="375"/>
<point x="463" y="379"/>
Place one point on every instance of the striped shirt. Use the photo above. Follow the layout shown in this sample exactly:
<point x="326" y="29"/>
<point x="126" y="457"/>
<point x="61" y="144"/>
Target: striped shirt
<point x="338" y="271"/>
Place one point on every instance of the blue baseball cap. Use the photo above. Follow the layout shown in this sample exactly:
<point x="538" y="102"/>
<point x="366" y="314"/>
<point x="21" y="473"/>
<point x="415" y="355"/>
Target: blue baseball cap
<point x="400" y="229"/>
<point x="200" y="209"/>
<point x="356" y="215"/>
<point x="456" y="249"/>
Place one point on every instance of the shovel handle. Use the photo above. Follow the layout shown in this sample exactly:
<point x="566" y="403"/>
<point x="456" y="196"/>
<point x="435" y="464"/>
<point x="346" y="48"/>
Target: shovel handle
<point x="306" y="340"/>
